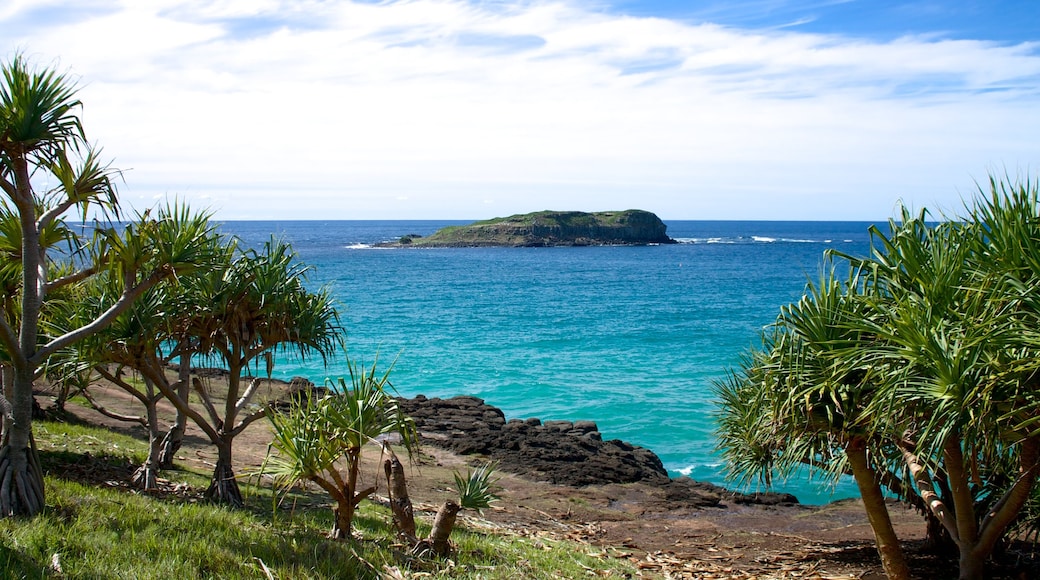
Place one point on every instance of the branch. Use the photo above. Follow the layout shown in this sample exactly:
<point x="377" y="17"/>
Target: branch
<point x="125" y="301"/>
<point x="71" y="278"/>
<point x="208" y="403"/>
<point x="9" y="338"/>
<point x="337" y="477"/>
<point x="336" y="492"/>
<point x="53" y="213"/>
<point x="248" y="395"/>
<point x="926" y="488"/>
<point x="183" y="406"/>
<point x="121" y="384"/>
<point x="112" y="414"/>
<point x="9" y="189"/>
<point x="363" y="494"/>
<point x="895" y="485"/>
<point x="248" y="420"/>
<point x="963" y="503"/>
<point x="1010" y="504"/>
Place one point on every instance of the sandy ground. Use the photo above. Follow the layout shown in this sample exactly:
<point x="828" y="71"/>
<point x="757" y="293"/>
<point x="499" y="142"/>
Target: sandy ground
<point x="630" y="521"/>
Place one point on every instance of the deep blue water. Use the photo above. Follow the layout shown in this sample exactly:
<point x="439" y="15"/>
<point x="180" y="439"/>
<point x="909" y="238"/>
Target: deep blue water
<point x="630" y="337"/>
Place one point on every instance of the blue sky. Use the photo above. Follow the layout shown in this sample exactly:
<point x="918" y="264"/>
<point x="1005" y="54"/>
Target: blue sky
<point x="455" y="109"/>
<point x="1007" y="21"/>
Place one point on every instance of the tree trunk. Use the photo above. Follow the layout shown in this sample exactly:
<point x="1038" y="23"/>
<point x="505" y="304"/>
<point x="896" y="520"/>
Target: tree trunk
<point x="400" y="503"/>
<point x="443" y="523"/>
<point x="21" y="479"/>
<point x="970" y="565"/>
<point x="344" y="518"/>
<point x="146" y="477"/>
<point x="171" y="443"/>
<point x="223" y="488"/>
<point x="877" y="511"/>
<point x="58" y="405"/>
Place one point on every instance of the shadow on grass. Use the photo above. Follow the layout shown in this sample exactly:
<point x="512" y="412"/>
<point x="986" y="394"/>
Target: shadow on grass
<point x="88" y="468"/>
<point x="12" y="560"/>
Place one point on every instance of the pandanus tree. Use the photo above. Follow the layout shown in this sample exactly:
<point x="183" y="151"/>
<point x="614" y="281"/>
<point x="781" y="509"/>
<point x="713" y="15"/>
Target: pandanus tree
<point x="42" y="144"/>
<point x="320" y="440"/>
<point x="243" y="312"/>
<point x="944" y="370"/>
<point x="475" y="492"/>
<point x="144" y="338"/>
<point x="951" y="338"/>
<point x="799" y="402"/>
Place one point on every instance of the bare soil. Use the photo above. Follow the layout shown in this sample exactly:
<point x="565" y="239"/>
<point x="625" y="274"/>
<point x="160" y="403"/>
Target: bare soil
<point x="631" y="521"/>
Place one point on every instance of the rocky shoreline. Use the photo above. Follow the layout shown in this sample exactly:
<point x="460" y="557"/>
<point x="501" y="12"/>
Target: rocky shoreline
<point x="560" y="452"/>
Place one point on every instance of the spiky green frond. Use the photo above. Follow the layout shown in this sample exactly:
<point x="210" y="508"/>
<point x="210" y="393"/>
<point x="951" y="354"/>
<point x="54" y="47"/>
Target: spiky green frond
<point x="476" y="488"/>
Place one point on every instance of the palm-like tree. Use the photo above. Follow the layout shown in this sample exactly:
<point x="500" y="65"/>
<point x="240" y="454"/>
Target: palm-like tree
<point x="322" y="440"/>
<point x="801" y="400"/>
<point x="475" y="491"/>
<point x="139" y="338"/>
<point x="242" y="311"/>
<point x="947" y="344"/>
<point x="40" y="131"/>
<point x="932" y="367"/>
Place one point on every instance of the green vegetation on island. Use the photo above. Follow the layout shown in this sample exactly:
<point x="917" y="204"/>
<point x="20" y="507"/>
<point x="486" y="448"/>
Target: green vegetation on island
<point x="550" y="228"/>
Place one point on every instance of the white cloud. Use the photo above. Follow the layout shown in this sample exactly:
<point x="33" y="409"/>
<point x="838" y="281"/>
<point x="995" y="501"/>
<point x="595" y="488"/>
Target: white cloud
<point x="439" y="108"/>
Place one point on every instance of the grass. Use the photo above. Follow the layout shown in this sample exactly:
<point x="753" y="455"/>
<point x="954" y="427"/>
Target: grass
<point x="99" y="531"/>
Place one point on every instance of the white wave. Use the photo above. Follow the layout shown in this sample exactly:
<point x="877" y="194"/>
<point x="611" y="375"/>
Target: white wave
<point x="705" y="240"/>
<point x="357" y="246"/>
<point x="690" y="468"/>
<point x="763" y="239"/>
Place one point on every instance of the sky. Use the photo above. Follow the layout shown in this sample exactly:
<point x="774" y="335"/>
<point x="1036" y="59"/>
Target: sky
<point x="468" y="109"/>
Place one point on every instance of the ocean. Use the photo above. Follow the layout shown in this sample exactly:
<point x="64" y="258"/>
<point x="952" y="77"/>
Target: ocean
<point x="629" y="337"/>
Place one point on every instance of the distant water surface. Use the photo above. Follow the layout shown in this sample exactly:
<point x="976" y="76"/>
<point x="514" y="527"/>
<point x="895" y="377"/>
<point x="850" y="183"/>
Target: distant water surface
<point x="630" y="337"/>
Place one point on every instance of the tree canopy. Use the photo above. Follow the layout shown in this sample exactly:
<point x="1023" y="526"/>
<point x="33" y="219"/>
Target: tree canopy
<point x="916" y="373"/>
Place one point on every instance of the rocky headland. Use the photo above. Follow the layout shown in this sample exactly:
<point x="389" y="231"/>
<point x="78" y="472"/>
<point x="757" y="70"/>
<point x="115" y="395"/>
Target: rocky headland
<point x="548" y="228"/>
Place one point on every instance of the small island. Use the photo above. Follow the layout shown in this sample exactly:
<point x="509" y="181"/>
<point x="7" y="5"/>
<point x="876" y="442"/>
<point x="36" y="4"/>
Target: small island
<point x="549" y="228"/>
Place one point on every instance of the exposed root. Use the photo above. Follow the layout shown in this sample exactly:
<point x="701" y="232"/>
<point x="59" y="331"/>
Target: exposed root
<point x="21" y="483"/>
<point x="223" y="488"/>
<point x="146" y="478"/>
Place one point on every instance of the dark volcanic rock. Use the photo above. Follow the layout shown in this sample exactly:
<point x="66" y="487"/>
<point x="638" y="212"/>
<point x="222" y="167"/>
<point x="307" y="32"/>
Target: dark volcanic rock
<point x="558" y="451"/>
<point x="562" y="452"/>
<point x="685" y="492"/>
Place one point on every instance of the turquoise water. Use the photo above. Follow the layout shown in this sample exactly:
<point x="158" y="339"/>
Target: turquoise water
<point x="630" y="337"/>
